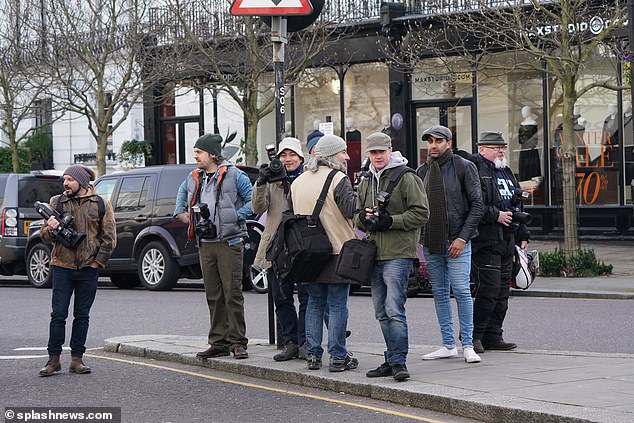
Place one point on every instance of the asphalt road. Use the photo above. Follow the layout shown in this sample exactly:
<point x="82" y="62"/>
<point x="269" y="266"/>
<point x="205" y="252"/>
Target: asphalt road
<point x="151" y="391"/>
<point x="533" y="323"/>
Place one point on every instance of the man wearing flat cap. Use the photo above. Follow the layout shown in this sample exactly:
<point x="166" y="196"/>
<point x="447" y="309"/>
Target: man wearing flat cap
<point x="455" y="208"/>
<point x="393" y="221"/>
<point x="75" y="270"/>
<point x="494" y="246"/>
<point x="218" y="186"/>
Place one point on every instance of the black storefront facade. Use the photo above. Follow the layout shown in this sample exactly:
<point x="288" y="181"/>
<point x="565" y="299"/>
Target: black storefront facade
<point x="363" y="94"/>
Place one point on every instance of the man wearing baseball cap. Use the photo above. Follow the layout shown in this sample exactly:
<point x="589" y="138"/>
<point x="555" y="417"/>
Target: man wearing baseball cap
<point x="394" y="224"/>
<point x="75" y="269"/>
<point x="494" y="246"/>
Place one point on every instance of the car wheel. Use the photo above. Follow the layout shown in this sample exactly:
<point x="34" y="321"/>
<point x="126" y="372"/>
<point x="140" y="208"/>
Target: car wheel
<point x="38" y="263"/>
<point x="259" y="280"/>
<point x="253" y="277"/>
<point x="125" y="280"/>
<point x="158" y="271"/>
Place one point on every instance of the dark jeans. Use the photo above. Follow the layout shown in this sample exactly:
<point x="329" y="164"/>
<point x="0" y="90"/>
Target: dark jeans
<point x="492" y="265"/>
<point x="83" y="283"/>
<point x="293" y="323"/>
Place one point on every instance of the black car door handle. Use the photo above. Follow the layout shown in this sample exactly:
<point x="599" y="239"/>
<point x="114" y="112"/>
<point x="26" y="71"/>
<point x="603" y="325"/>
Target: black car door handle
<point x="140" y="218"/>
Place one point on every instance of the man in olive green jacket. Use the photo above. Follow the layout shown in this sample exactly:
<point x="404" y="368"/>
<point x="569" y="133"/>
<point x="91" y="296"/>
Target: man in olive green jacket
<point x="394" y="224"/>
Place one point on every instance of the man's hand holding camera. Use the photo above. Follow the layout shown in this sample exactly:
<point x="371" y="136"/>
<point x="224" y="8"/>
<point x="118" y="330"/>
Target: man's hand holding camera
<point x="264" y="175"/>
<point x="376" y="219"/>
<point x="505" y="218"/>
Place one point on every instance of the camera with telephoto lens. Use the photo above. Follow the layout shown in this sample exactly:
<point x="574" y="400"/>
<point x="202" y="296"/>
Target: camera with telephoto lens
<point x="205" y="228"/>
<point x="382" y="199"/>
<point x="65" y="234"/>
<point x="519" y="217"/>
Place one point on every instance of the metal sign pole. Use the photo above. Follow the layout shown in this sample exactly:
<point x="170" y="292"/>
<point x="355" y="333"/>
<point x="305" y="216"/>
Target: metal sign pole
<point x="278" y="36"/>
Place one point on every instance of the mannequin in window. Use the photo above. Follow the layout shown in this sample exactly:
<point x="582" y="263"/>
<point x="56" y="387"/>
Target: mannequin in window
<point x="387" y="127"/>
<point x="529" y="164"/>
<point x="351" y="133"/>
<point x="288" y="128"/>
<point x="353" y="140"/>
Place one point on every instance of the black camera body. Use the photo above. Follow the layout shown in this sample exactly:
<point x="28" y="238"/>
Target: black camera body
<point x="65" y="234"/>
<point x="278" y="171"/>
<point x="520" y="217"/>
<point x="205" y="228"/>
<point x="382" y="199"/>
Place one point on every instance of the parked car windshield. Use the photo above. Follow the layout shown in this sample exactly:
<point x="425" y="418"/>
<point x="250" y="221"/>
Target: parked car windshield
<point x="31" y="190"/>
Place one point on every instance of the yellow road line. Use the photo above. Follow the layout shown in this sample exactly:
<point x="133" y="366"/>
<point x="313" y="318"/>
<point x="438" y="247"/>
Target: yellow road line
<point x="267" y="388"/>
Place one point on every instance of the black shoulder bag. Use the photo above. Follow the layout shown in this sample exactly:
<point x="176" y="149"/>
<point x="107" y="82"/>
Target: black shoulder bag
<point x="300" y="248"/>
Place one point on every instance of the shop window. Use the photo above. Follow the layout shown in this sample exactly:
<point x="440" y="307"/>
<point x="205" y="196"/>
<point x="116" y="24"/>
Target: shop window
<point x="510" y="101"/>
<point x="597" y="137"/>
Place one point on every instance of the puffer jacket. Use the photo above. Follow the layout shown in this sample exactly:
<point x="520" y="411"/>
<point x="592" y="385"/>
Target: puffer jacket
<point x="101" y="234"/>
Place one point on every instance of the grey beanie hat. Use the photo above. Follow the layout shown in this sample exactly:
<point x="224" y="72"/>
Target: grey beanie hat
<point x="81" y="174"/>
<point x="329" y="145"/>
<point x="491" y="138"/>
<point x="211" y="143"/>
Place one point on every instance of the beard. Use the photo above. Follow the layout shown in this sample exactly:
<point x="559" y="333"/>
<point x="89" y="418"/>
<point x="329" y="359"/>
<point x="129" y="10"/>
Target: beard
<point x="500" y="163"/>
<point x="70" y="193"/>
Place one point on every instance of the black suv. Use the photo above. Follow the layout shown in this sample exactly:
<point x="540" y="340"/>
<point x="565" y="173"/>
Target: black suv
<point x="18" y="192"/>
<point x="152" y="247"/>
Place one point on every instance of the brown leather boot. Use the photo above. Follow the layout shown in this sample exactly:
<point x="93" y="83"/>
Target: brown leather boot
<point x="52" y="366"/>
<point x="77" y="366"/>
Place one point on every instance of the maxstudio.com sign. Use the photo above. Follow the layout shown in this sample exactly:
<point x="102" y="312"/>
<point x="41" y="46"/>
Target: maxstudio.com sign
<point x="595" y="26"/>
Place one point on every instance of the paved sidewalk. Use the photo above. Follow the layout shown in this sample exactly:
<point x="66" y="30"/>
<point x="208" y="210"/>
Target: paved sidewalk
<point x="517" y="386"/>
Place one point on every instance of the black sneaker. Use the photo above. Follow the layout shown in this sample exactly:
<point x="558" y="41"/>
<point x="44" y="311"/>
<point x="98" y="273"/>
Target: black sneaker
<point x="303" y="351"/>
<point x="290" y="351"/>
<point x="382" y="371"/>
<point x="477" y="346"/>
<point x="500" y="345"/>
<point x="399" y="372"/>
<point x="314" y="363"/>
<point x="342" y="364"/>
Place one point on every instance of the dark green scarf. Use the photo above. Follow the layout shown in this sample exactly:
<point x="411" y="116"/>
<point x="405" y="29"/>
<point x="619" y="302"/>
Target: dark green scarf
<point x="436" y="228"/>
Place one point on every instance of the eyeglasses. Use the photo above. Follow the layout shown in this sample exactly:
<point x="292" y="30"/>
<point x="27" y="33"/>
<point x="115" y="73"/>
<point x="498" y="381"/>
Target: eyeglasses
<point x="497" y="148"/>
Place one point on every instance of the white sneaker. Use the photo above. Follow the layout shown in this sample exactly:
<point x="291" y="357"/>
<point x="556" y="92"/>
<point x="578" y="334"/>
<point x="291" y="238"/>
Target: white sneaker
<point x="442" y="352"/>
<point x="470" y="355"/>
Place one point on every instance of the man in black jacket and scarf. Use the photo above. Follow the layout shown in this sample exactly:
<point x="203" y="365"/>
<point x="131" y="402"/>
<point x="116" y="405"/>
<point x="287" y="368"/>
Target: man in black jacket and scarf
<point x="494" y="247"/>
<point x="455" y="209"/>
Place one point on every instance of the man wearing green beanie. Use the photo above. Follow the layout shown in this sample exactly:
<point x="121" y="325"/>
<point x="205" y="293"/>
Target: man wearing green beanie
<point x="218" y="204"/>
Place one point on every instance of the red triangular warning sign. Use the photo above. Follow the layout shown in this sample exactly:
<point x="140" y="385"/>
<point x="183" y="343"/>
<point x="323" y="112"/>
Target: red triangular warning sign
<point x="271" y="7"/>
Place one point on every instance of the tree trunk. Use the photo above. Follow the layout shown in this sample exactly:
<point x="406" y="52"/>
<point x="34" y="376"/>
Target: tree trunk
<point x="102" y="140"/>
<point x="251" y="133"/>
<point x="15" y="160"/>
<point x="568" y="158"/>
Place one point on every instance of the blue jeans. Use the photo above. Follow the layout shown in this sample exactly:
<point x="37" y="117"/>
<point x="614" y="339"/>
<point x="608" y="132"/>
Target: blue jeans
<point x="83" y="283"/>
<point x="447" y="275"/>
<point x="291" y="321"/>
<point x="389" y="293"/>
<point x="333" y="298"/>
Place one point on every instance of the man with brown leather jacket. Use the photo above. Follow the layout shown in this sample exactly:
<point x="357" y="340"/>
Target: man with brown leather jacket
<point x="75" y="270"/>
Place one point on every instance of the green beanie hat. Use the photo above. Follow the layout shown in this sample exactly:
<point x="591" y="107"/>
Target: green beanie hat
<point x="211" y="143"/>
